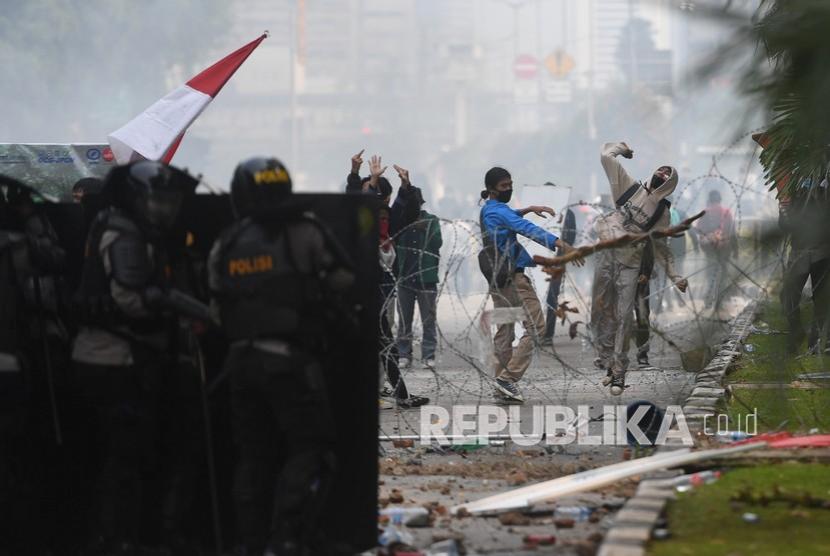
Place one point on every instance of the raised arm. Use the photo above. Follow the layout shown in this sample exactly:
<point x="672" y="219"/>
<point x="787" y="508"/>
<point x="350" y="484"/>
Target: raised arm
<point x="353" y="181"/>
<point x="512" y="221"/>
<point x="618" y="178"/>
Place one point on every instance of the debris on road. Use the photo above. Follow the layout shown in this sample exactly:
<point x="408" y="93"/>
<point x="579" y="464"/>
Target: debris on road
<point x="514" y="518"/>
<point x="411" y="517"/>
<point x="532" y="541"/>
<point x="596" y="478"/>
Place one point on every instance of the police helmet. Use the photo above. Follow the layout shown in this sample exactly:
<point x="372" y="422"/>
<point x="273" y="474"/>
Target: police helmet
<point x="151" y="192"/>
<point x="259" y="185"/>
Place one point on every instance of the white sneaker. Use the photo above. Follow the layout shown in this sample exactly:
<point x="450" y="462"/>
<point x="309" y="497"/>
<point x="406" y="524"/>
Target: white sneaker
<point x="404" y="363"/>
<point x="429" y="363"/>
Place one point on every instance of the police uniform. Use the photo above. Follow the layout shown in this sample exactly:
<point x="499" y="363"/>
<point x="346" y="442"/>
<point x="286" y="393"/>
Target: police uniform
<point x="270" y="274"/>
<point x="124" y="345"/>
<point x="31" y="337"/>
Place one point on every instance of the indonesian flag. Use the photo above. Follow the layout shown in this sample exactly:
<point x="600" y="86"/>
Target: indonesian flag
<point x="155" y="134"/>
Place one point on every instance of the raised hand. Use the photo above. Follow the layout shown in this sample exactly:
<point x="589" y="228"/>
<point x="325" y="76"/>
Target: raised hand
<point x="682" y="284"/>
<point x="357" y="162"/>
<point x="403" y="173"/>
<point x="628" y="152"/>
<point x="376" y="168"/>
<point x="567" y="248"/>
<point x="540" y="210"/>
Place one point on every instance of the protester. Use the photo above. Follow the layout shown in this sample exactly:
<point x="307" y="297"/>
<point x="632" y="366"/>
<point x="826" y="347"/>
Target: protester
<point x="804" y="218"/>
<point x="418" y="254"/>
<point x="391" y="221"/>
<point x="642" y="308"/>
<point x="499" y="226"/>
<point x="641" y="207"/>
<point x="667" y="295"/>
<point x="555" y="284"/>
<point x="719" y="242"/>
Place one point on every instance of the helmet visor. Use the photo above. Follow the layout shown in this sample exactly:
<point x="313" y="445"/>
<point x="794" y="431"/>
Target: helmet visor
<point x="162" y="208"/>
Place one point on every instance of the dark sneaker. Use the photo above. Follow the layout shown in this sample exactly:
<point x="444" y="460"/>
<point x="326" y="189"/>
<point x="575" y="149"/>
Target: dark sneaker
<point x="617" y="384"/>
<point x="642" y="360"/>
<point x="501" y="398"/>
<point x="509" y="390"/>
<point x="387" y="392"/>
<point x="412" y="401"/>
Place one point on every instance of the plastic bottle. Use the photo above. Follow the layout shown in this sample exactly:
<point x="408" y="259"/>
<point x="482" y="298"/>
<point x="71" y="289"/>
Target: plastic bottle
<point x="577" y="513"/>
<point x="411" y="517"/>
<point x="391" y="535"/>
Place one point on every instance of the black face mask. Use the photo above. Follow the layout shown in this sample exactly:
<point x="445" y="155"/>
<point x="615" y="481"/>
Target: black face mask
<point x="504" y="196"/>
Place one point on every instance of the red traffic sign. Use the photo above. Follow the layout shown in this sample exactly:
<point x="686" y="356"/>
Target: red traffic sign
<point x="525" y="66"/>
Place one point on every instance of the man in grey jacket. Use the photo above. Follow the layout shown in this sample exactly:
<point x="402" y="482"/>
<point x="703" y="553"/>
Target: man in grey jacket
<point x="640" y="207"/>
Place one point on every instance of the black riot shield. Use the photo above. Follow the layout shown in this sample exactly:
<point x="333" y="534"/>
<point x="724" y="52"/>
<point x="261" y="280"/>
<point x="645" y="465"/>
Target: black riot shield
<point x="350" y="521"/>
<point x="351" y="366"/>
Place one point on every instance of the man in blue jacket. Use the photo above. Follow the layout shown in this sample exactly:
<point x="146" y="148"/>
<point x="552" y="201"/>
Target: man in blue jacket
<point x="502" y="224"/>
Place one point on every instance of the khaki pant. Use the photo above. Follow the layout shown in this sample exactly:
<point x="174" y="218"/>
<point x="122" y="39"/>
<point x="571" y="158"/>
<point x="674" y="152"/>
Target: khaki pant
<point x="511" y="364"/>
<point x="614" y="296"/>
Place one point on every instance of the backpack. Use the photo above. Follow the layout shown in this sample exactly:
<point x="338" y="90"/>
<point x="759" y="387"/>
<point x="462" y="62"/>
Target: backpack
<point x="497" y="268"/>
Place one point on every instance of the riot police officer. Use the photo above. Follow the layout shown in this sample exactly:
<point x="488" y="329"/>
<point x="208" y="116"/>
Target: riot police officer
<point x="128" y="310"/>
<point x="271" y="274"/>
<point x="32" y="340"/>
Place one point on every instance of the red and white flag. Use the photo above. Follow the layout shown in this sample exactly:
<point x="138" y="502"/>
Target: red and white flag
<point x="155" y="134"/>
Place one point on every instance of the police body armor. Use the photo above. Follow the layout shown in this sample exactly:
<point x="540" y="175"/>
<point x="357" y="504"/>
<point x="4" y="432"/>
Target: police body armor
<point x="263" y="293"/>
<point x="131" y="267"/>
<point x="39" y="266"/>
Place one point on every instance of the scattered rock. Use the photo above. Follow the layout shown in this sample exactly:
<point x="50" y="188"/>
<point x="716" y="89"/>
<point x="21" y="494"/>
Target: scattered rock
<point x="447" y="535"/>
<point x="435" y="508"/>
<point x="513" y="518"/>
<point x="564" y="523"/>
<point x="408" y="443"/>
<point x="462" y="513"/>
<point x="583" y="548"/>
<point x="532" y="541"/>
<point x="516" y="478"/>
<point x="595" y="537"/>
<point x="383" y="502"/>
<point x="396" y="497"/>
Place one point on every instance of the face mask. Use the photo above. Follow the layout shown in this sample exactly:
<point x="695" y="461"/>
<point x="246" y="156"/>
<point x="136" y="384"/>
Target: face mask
<point x="504" y="196"/>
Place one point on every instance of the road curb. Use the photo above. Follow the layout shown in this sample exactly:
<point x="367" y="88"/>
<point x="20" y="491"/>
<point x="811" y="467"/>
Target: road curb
<point x="633" y="524"/>
<point x="709" y="389"/>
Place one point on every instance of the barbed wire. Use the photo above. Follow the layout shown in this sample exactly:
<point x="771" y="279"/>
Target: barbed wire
<point x="564" y="369"/>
